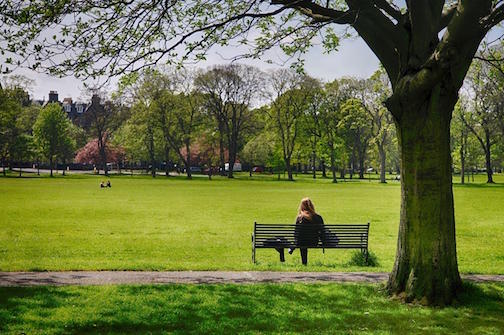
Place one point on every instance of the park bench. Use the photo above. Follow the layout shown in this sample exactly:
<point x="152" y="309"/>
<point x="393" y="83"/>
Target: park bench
<point x="332" y="236"/>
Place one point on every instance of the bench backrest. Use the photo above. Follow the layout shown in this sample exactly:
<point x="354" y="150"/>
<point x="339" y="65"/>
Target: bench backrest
<point x="330" y="236"/>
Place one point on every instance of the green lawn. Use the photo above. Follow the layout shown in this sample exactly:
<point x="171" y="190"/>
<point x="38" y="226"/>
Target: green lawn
<point x="252" y="309"/>
<point x="69" y="223"/>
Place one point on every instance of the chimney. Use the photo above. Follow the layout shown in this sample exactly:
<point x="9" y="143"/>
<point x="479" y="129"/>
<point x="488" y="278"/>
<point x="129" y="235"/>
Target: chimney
<point x="53" y="96"/>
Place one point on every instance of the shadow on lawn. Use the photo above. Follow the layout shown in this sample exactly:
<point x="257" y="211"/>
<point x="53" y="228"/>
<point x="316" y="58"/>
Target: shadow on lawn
<point x="320" y="308"/>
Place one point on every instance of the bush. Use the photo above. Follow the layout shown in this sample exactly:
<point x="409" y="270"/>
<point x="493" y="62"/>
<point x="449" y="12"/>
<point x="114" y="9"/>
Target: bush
<point x="358" y="259"/>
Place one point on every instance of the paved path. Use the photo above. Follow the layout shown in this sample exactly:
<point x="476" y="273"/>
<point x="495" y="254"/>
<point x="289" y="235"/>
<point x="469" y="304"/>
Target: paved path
<point x="198" y="277"/>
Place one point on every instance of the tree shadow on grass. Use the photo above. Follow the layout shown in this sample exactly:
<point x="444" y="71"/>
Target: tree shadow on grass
<point x="254" y="308"/>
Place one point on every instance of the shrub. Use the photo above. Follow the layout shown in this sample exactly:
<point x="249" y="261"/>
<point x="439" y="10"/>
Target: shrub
<point x="358" y="259"/>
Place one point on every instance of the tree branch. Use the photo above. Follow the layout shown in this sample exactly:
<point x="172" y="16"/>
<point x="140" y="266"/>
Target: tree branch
<point x="317" y="12"/>
<point x="447" y="15"/>
<point x="389" y="9"/>
<point x="495" y="17"/>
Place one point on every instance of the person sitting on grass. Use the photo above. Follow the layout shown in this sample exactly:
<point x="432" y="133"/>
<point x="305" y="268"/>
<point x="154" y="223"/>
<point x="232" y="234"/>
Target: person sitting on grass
<point x="309" y="228"/>
<point x="108" y="183"/>
<point x="102" y="184"/>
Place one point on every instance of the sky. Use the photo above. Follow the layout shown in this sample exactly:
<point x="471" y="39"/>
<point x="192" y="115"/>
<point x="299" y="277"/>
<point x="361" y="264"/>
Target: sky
<point x="353" y="58"/>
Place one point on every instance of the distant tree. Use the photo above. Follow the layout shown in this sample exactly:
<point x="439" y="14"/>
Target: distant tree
<point x="290" y="98"/>
<point x="52" y="133"/>
<point x="9" y="110"/>
<point x="259" y="150"/>
<point x="355" y="126"/>
<point x="22" y="150"/>
<point x="229" y="92"/>
<point x="155" y="88"/>
<point x="90" y="153"/>
<point x="375" y="91"/>
<point x="186" y="117"/>
<point x="99" y="115"/>
<point x="313" y="123"/>
<point x="330" y="118"/>
<point x="481" y="119"/>
<point x="460" y="135"/>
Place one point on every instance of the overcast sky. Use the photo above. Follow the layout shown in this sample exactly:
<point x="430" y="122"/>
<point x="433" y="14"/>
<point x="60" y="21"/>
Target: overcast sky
<point x="353" y="59"/>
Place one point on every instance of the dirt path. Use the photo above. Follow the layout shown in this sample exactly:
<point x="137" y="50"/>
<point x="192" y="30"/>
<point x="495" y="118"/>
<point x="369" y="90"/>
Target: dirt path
<point x="198" y="277"/>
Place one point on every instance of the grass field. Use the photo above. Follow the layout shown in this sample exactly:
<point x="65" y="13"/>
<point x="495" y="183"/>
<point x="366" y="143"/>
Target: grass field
<point x="69" y="223"/>
<point x="250" y="309"/>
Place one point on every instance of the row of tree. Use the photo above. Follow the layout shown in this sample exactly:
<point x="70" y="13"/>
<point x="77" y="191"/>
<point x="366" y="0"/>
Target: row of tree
<point x="478" y="121"/>
<point x="283" y="119"/>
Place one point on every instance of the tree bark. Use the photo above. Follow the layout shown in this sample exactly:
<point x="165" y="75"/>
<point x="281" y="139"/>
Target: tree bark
<point x="488" y="157"/>
<point x="221" y="149"/>
<point x="362" y="158"/>
<point x="151" y="154"/>
<point x="289" y="169"/>
<point x="462" y="157"/>
<point x="167" y="159"/>
<point x="314" y="168"/>
<point x="51" y="165"/>
<point x="425" y="268"/>
<point x="188" y="160"/>
<point x="383" y="159"/>
<point x="333" y="162"/>
<point x="232" y="158"/>
<point x="103" y="153"/>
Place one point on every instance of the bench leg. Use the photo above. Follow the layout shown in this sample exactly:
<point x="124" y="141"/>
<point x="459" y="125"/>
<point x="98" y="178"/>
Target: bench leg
<point x="282" y="254"/>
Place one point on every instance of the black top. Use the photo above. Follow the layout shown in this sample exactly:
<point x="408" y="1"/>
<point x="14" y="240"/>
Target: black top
<point x="308" y="231"/>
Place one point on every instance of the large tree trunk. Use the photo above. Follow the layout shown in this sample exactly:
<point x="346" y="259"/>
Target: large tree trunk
<point x="425" y="268"/>
<point x="51" y="165"/>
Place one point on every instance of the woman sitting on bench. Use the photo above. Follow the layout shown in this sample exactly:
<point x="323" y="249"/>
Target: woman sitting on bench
<point x="309" y="228"/>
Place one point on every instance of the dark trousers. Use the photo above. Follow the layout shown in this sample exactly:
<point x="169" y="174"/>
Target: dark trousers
<point x="304" y="255"/>
<point x="282" y="254"/>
